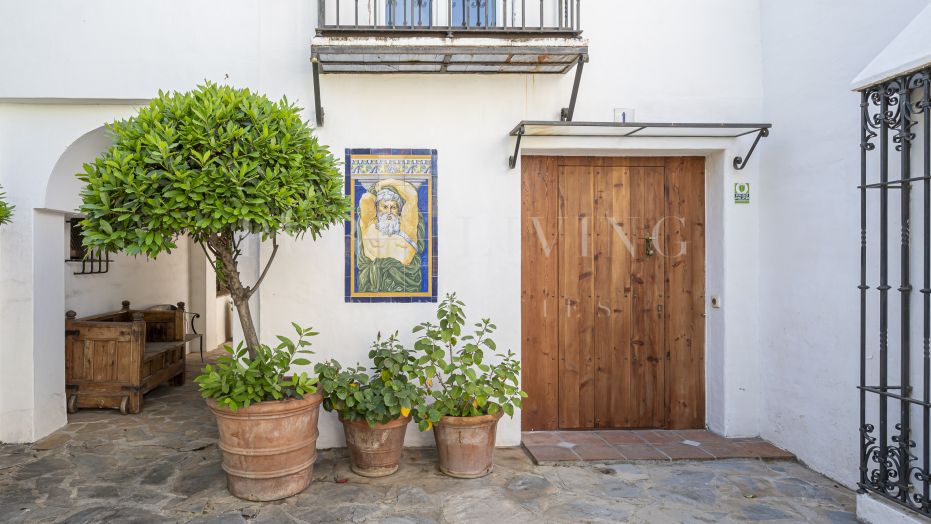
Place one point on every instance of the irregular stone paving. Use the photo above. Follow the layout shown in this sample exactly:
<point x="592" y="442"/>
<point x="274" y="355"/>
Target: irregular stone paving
<point x="164" y="466"/>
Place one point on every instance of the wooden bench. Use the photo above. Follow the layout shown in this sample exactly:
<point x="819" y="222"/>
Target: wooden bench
<point x="113" y="359"/>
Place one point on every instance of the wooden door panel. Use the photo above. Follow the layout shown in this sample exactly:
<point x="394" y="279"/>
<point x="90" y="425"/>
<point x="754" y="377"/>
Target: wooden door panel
<point x="576" y="290"/>
<point x="611" y="258"/>
<point x="685" y="301"/>
<point x="647" y="282"/>
<point x="539" y="293"/>
<point x="612" y="337"/>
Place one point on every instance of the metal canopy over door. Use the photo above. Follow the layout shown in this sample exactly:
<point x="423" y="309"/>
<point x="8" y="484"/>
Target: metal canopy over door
<point x="613" y="292"/>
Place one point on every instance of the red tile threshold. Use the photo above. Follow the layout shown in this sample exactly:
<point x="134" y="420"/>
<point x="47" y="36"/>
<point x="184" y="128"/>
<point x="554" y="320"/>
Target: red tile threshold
<point x="608" y="446"/>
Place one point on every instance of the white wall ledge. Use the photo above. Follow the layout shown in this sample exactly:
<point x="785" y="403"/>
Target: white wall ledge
<point x="874" y="510"/>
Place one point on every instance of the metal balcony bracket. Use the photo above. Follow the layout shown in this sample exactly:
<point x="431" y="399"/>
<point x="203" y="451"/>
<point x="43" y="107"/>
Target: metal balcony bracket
<point x="318" y="109"/>
<point x="567" y="113"/>
<point x="512" y="160"/>
<point x="740" y="162"/>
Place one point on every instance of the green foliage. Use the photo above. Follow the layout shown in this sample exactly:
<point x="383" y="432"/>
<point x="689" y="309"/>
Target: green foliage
<point x="6" y="210"/>
<point x="205" y="163"/>
<point x="238" y="381"/>
<point x="382" y="396"/>
<point x="452" y="368"/>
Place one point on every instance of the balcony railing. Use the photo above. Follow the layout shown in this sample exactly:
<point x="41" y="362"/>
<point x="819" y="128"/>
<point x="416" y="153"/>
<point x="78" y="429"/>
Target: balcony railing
<point x="451" y="17"/>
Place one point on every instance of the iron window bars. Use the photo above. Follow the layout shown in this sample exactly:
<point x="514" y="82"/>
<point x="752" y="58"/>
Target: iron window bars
<point x="451" y="16"/>
<point x="895" y="147"/>
<point x="92" y="262"/>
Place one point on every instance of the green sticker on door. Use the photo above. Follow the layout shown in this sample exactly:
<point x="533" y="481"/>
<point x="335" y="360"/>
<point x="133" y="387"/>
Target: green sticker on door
<point x="742" y="193"/>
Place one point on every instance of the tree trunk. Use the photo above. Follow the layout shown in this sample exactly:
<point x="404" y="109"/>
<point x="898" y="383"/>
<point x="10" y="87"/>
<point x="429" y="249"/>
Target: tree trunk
<point x="248" y="325"/>
<point x="223" y="250"/>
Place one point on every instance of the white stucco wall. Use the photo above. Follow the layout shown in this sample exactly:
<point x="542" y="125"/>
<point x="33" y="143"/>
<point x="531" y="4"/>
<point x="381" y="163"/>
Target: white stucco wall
<point x="41" y="147"/>
<point x="116" y="51"/>
<point x="671" y="61"/>
<point x="32" y="140"/>
<point x="466" y="119"/>
<point x="144" y="282"/>
<point x="223" y="319"/>
<point x="809" y="223"/>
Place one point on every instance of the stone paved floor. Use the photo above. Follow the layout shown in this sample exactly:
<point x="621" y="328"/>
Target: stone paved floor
<point x="163" y="466"/>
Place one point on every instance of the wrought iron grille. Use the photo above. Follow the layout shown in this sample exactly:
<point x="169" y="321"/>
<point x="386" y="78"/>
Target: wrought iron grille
<point x="895" y="368"/>
<point x="450" y="16"/>
<point x="92" y="262"/>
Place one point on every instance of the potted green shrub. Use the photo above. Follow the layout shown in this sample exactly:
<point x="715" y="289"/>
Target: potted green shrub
<point x="375" y="408"/>
<point x="6" y="210"/>
<point x="470" y="391"/>
<point x="267" y="419"/>
<point x="218" y="164"/>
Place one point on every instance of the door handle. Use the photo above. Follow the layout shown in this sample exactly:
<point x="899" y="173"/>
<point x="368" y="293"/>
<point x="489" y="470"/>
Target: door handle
<point x="648" y="249"/>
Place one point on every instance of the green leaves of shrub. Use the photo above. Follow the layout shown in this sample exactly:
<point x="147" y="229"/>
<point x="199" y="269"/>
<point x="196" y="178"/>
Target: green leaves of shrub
<point x="6" y="210"/>
<point x="205" y="163"/>
<point x="237" y="381"/>
<point x="381" y="396"/>
<point x="454" y="370"/>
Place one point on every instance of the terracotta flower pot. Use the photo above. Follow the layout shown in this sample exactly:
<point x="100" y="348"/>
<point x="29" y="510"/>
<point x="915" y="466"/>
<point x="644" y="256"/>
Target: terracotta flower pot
<point x="466" y="445"/>
<point x="269" y="448"/>
<point x="375" y="452"/>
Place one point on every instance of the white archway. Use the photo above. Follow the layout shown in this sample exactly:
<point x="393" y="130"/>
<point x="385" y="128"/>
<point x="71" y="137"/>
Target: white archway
<point x="181" y="276"/>
<point x="63" y="187"/>
<point x="62" y="198"/>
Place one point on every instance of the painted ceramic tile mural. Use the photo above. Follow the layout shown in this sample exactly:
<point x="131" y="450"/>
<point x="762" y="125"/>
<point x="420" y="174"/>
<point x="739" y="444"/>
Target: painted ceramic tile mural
<point x="391" y="252"/>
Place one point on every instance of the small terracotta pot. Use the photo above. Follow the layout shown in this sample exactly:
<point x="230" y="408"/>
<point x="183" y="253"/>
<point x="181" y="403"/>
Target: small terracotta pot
<point x="269" y="448"/>
<point x="375" y="451"/>
<point x="466" y="445"/>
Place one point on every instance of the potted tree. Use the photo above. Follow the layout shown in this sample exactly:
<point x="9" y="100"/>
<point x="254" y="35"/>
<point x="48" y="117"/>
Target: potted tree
<point x="375" y="408"/>
<point x="267" y="420"/>
<point x="470" y="393"/>
<point x="218" y="164"/>
<point x="6" y="210"/>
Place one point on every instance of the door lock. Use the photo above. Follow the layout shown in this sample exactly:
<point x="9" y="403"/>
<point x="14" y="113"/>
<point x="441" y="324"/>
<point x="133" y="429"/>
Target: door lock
<point x="648" y="246"/>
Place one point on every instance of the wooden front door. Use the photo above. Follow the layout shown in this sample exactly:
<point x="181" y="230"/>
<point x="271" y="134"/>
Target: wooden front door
<point x="613" y="292"/>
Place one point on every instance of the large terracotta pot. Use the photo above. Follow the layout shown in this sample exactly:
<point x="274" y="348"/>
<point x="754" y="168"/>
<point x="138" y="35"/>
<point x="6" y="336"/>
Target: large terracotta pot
<point x="269" y="448"/>
<point x="375" y="451"/>
<point x="466" y="445"/>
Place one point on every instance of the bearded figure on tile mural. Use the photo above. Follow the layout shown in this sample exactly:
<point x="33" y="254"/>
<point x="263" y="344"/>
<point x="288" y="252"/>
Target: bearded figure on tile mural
<point x="391" y="249"/>
<point x="391" y="236"/>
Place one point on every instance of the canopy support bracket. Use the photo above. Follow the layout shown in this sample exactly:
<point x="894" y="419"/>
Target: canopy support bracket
<point x="512" y="160"/>
<point x="318" y="108"/>
<point x="740" y="162"/>
<point x="567" y="113"/>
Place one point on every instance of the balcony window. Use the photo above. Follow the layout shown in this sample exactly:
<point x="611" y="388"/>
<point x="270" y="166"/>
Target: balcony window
<point x="464" y="13"/>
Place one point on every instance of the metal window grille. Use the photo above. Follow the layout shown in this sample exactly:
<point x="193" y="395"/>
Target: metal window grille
<point x="77" y="249"/>
<point x="451" y="16"/>
<point x="895" y="360"/>
<point x="92" y="262"/>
